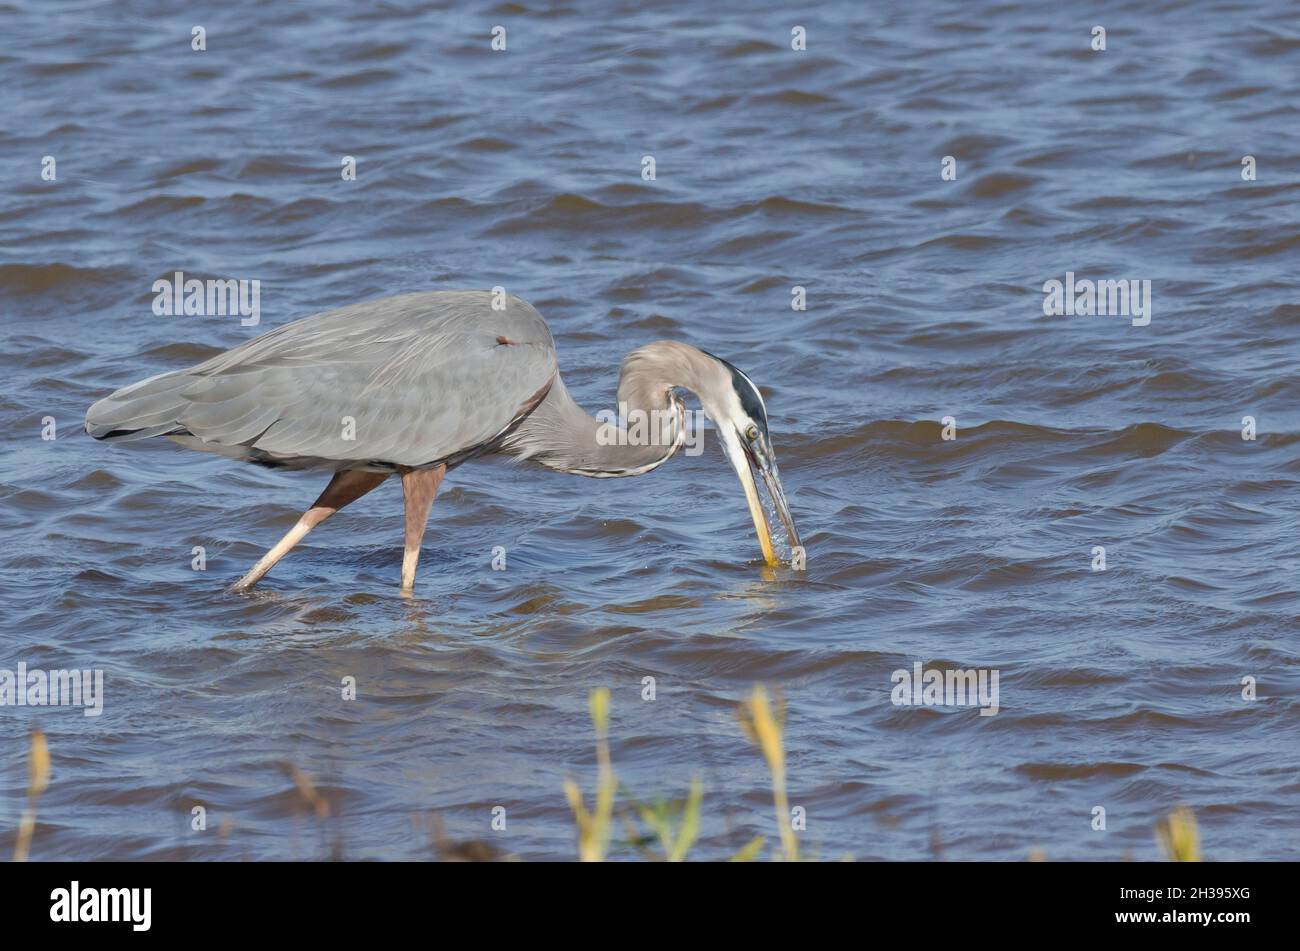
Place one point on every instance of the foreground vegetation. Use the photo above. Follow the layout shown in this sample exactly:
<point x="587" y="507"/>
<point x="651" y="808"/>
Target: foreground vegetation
<point x="662" y="830"/>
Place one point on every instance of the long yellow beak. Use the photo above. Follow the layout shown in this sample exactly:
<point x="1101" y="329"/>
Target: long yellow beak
<point x="760" y="519"/>
<point x="761" y="457"/>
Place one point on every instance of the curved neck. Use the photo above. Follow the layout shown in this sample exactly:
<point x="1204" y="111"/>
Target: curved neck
<point x="644" y="431"/>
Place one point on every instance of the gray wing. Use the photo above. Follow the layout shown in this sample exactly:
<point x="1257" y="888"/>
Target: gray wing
<point x="411" y="379"/>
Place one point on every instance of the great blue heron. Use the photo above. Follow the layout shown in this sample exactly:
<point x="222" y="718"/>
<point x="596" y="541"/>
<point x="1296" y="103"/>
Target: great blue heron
<point x="419" y="383"/>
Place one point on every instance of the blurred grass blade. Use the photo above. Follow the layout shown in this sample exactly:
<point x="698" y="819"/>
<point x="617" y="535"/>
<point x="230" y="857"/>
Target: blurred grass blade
<point x="750" y="851"/>
<point x="763" y="726"/>
<point x="690" y="827"/>
<point x="1179" y="836"/>
<point x="594" y="826"/>
<point x="38" y="766"/>
<point x="38" y="779"/>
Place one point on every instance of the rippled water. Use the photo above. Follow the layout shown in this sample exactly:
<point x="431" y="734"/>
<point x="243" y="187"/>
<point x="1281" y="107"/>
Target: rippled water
<point x="775" y="168"/>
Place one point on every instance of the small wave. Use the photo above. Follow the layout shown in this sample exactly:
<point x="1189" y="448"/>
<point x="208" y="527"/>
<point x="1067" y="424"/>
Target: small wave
<point x="570" y="210"/>
<point x="25" y="279"/>
<point x="1274" y="44"/>
<point x="1144" y="439"/>
<point x="55" y="70"/>
<point x="185" y="168"/>
<point x="750" y="48"/>
<point x="366" y="77"/>
<point x="964" y="242"/>
<point x="997" y="184"/>
<point x="486" y="143"/>
<point x="792" y="97"/>
<point x="779" y="206"/>
<point x="163" y="205"/>
<point x="1057" y="772"/>
<point x="187" y="353"/>
<point x="376" y="51"/>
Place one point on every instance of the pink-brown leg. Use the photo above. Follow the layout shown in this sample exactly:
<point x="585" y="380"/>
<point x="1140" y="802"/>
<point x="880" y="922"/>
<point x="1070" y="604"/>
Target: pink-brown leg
<point x="346" y="486"/>
<point x="420" y="486"/>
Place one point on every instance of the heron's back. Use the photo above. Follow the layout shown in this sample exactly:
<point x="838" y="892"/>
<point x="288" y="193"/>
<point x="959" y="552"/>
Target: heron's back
<point x="409" y="380"/>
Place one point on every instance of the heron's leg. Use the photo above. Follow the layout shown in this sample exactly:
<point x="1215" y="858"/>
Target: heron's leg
<point x="346" y="486"/>
<point x="419" y="486"/>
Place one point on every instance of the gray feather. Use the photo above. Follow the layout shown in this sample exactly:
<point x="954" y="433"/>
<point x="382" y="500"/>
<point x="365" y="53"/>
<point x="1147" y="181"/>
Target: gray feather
<point x="425" y="377"/>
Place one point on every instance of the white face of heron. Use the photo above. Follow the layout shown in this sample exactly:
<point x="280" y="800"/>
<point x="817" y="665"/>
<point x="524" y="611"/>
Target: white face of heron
<point x="740" y="416"/>
<point x="739" y="406"/>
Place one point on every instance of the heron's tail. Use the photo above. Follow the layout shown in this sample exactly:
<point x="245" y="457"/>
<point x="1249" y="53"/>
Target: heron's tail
<point x="148" y="408"/>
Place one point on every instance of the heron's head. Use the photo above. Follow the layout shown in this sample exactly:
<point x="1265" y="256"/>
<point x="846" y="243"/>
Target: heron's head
<point x="733" y="402"/>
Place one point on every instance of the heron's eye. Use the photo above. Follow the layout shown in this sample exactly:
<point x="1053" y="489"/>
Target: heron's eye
<point x="751" y="433"/>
